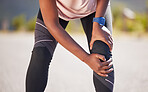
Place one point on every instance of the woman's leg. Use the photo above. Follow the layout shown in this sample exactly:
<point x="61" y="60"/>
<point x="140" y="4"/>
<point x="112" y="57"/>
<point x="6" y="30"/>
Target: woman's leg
<point x="37" y="74"/>
<point x="102" y="84"/>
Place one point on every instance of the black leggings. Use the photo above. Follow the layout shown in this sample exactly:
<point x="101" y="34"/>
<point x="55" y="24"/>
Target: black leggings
<point x="45" y="44"/>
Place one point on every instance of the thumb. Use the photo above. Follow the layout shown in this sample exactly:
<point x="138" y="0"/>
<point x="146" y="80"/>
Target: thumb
<point x="91" y="44"/>
<point x="102" y="57"/>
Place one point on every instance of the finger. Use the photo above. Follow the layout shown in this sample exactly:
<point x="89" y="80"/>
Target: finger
<point x="91" y="44"/>
<point x="110" y="60"/>
<point x="107" y="67"/>
<point x="106" y="71"/>
<point x="109" y="41"/>
<point x="110" y="37"/>
<point x="106" y="63"/>
<point x="101" y="57"/>
<point x="103" y="75"/>
<point x="109" y="71"/>
<point x="111" y="63"/>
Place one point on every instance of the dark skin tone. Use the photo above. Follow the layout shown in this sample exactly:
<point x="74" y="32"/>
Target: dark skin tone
<point x="92" y="60"/>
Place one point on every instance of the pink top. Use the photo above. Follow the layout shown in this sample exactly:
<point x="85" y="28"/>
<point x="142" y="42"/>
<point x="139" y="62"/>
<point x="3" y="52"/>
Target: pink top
<point x="72" y="9"/>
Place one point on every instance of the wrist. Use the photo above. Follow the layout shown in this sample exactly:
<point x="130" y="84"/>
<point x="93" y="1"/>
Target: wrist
<point x="96" y="27"/>
<point x="84" y="57"/>
<point x="99" y="20"/>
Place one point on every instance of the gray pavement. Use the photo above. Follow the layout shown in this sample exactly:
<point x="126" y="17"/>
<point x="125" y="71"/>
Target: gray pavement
<point x="69" y="74"/>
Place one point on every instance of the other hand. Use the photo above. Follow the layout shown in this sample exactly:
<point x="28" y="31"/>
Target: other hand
<point x="101" y="68"/>
<point x="101" y="33"/>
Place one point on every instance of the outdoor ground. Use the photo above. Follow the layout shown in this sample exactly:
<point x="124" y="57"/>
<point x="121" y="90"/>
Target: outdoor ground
<point x="69" y="74"/>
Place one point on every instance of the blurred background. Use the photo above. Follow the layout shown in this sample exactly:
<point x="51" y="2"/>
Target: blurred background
<point x="130" y="34"/>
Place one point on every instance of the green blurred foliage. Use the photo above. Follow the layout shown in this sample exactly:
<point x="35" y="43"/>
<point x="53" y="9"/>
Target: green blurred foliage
<point x="70" y="26"/>
<point x="136" y="25"/>
<point x="139" y="24"/>
<point x="117" y="17"/>
<point x="143" y="20"/>
<point x="30" y="25"/>
<point x="19" y="21"/>
<point x="74" y="26"/>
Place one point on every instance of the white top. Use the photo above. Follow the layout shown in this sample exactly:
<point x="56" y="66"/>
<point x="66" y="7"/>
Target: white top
<point x="72" y="9"/>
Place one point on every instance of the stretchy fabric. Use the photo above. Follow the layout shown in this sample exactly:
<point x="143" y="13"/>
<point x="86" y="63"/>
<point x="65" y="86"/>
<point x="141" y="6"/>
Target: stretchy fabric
<point x="103" y="84"/>
<point x="72" y="9"/>
<point x="44" y="46"/>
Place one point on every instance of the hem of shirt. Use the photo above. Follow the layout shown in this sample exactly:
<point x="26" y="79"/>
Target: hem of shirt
<point x="68" y="19"/>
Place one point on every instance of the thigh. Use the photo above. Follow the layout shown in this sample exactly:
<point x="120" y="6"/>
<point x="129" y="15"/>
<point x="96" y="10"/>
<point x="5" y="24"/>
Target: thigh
<point x="43" y="38"/>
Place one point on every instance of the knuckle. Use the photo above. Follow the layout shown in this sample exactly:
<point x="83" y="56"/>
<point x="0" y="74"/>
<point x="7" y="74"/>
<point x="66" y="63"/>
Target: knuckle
<point x="100" y="65"/>
<point x="104" y="63"/>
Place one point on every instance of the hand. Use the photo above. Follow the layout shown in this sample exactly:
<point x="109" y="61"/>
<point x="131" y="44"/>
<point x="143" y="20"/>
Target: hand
<point x="101" y="68"/>
<point x="101" y="33"/>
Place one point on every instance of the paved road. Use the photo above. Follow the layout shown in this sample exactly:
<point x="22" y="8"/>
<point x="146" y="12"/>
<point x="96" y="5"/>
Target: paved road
<point x="67" y="73"/>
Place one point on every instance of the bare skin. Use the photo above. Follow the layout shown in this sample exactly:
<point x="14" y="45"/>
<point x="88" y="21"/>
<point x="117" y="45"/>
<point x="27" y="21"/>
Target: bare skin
<point x="48" y="7"/>
<point x="97" y="32"/>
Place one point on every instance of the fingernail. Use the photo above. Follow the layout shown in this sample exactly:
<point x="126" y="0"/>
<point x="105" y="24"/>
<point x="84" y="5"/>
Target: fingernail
<point x="110" y="64"/>
<point x="111" y="69"/>
<point x="109" y="61"/>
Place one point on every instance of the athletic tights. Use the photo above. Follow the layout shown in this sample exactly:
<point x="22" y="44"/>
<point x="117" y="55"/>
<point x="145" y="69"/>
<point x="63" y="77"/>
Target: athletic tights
<point x="45" y="44"/>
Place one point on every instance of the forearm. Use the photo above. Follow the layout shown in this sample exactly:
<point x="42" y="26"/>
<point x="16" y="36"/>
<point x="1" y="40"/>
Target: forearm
<point x="101" y="7"/>
<point x="67" y="42"/>
<point x="100" y="12"/>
